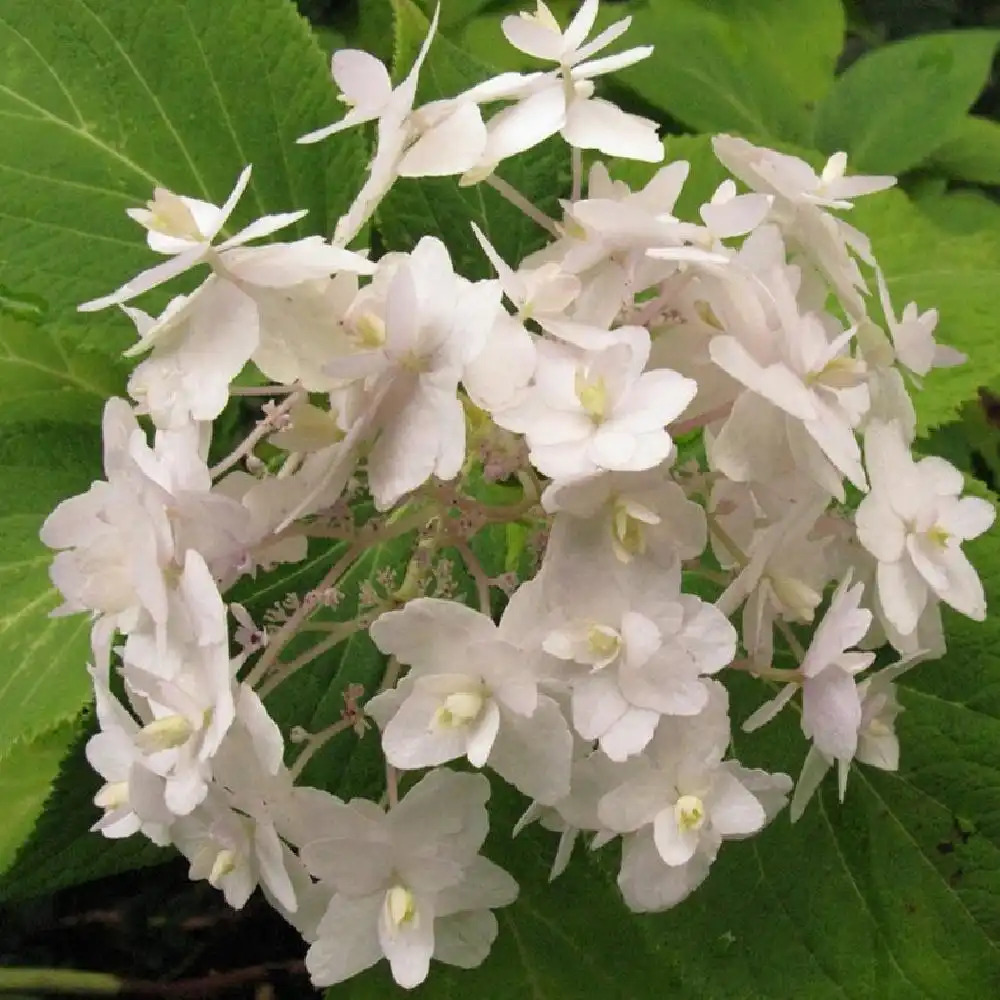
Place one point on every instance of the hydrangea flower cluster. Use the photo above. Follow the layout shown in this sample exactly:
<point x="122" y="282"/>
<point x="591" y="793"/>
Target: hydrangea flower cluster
<point x="669" y="409"/>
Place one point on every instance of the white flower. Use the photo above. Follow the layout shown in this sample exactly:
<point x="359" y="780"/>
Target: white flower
<point x="914" y="522"/>
<point x="185" y="229"/>
<point x="636" y="513"/>
<point x="445" y="137"/>
<point x="689" y="800"/>
<point x="793" y="362"/>
<point x="784" y="576"/>
<point x="202" y="342"/>
<point x="132" y="795"/>
<point x="421" y="331"/>
<point x="408" y="885"/>
<point x="118" y="547"/>
<point x="598" y="410"/>
<point x="468" y="694"/>
<point x="831" y="699"/>
<point x="800" y="199"/>
<point x="181" y="685"/>
<point x="235" y="852"/>
<point x="912" y="335"/>
<point x="877" y="743"/>
<point x="563" y="101"/>
<point x="634" y="647"/>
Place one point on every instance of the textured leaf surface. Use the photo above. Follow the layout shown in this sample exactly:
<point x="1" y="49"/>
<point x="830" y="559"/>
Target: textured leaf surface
<point x="43" y="679"/>
<point x="438" y="206"/>
<point x="895" y="894"/>
<point x="711" y="68"/>
<point x="971" y="152"/>
<point x="956" y="273"/>
<point x="111" y="98"/>
<point x="47" y="376"/>
<point x="898" y="104"/>
<point x="60" y="850"/>
<point x="27" y="770"/>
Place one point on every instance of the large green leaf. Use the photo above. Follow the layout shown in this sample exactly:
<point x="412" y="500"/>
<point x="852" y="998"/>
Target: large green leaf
<point x="27" y="770"/>
<point x="109" y="98"/>
<point x="438" y="206"/>
<point x="43" y="679"/>
<point x="894" y="894"/>
<point x="956" y="273"/>
<point x="897" y="104"/>
<point x="58" y="850"/>
<point x="45" y="375"/>
<point x="971" y="152"/>
<point x="723" y="67"/>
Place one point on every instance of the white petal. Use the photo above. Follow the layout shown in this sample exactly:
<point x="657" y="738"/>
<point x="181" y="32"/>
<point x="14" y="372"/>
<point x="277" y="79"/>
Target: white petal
<point x="648" y="885"/>
<point x="347" y="941"/>
<point x="732" y="810"/>
<point x="675" y="846"/>
<point x="601" y="125"/>
<point x="831" y="712"/>
<point x="362" y="78"/>
<point x="597" y="705"/>
<point x="409" y="947"/>
<point x="428" y="628"/>
<point x="813" y="771"/>
<point x="483" y="736"/>
<point x="464" y="939"/>
<point x="484" y="886"/>
<point x="151" y="278"/>
<point x="451" y="147"/>
<point x="263" y="226"/>
<point x="525" y="124"/>
<point x="534" y="753"/>
<point x="770" y="709"/>
<point x="631" y="734"/>
<point x="902" y="593"/>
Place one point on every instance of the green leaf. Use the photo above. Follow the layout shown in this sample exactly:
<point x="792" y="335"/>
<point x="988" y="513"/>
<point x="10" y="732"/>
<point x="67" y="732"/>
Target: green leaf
<point x="971" y="152"/>
<point x="961" y="211"/>
<point x="957" y="274"/>
<point x="44" y="375"/>
<point x="708" y="72"/>
<point x="27" y="770"/>
<point x="894" y="894"/>
<point x="61" y="850"/>
<point x="111" y="98"/>
<point x="898" y="104"/>
<point x="438" y="206"/>
<point x="800" y="41"/>
<point x="43" y="678"/>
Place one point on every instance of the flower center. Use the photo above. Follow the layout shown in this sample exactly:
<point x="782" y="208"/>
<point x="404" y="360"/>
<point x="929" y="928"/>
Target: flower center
<point x="689" y="811"/>
<point x="842" y="372"/>
<point x="796" y="596"/>
<point x="400" y="906"/>
<point x="369" y="331"/>
<point x="938" y="536"/>
<point x="164" y="734"/>
<point x="593" y="396"/>
<point x="224" y="864"/>
<point x="170" y="216"/>
<point x="459" y="709"/>
<point x="113" y="795"/>
<point x="604" y="643"/>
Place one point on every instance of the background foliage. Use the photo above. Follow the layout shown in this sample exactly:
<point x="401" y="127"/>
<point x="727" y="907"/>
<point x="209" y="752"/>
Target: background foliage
<point x="898" y="893"/>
